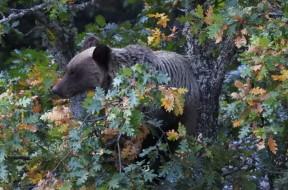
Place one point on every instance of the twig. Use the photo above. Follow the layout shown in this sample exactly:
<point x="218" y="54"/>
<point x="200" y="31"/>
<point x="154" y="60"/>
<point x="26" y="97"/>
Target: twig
<point x="119" y="153"/>
<point x="240" y="168"/>
<point x="19" y="157"/>
<point x="62" y="160"/>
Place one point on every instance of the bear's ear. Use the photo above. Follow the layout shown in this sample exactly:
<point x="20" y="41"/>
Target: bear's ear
<point x="102" y="55"/>
<point x="90" y="41"/>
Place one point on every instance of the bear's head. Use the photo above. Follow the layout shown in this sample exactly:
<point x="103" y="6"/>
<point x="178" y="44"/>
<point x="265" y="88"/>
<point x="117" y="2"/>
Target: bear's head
<point x="87" y="70"/>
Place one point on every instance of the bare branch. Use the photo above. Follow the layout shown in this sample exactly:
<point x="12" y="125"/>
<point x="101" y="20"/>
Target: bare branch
<point x="22" y="13"/>
<point x="19" y="13"/>
<point x="81" y="6"/>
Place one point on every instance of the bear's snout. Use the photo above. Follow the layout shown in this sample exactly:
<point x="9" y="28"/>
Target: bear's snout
<point x="55" y="90"/>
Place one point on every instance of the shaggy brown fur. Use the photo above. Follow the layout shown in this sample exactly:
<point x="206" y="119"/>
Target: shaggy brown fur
<point x="97" y="66"/>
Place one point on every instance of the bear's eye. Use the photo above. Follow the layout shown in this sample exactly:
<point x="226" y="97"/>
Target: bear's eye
<point x="72" y="72"/>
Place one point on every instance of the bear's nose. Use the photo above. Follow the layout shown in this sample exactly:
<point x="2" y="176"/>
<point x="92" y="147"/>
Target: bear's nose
<point x="54" y="90"/>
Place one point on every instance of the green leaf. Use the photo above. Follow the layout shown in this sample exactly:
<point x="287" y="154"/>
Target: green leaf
<point x="114" y="183"/>
<point x="2" y="155"/>
<point x="66" y="186"/>
<point x="149" y="175"/>
<point x="100" y="20"/>
<point x="199" y="11"/>
<point x="117" y="81"/>
<point x="3" y="173"/>
<point x="133" y="99"/>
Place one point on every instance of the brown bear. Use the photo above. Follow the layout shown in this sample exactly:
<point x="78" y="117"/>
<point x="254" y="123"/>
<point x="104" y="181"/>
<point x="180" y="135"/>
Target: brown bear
<point x="97" y="66"/>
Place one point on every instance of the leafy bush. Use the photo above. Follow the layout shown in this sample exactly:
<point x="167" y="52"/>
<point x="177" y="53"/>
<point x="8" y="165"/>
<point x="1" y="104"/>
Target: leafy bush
<point x="42" y="146"/>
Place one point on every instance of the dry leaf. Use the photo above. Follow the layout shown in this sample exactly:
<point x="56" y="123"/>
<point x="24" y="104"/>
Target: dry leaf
<point x="209" y="16"/>
<point x="272" y="145"/>
<point x="27" y="127"/>
<point x="240" y="41"/>
<point x="244" y="31"/>
<point x="131" y="150"/>
<point x="258" y="91"/>
<point x="235" y="95"/>
<point x="109" y="134"/>
<point x="256" y="68"/>
<point x="219" y="35"/>
<point x="36" y="107"/>
<point x="260" y="145"/>
<point x="236" y="123"/>
<point x="59" y="115"/>
<point x="238" y="84"/>
<point x="259" y="108"/>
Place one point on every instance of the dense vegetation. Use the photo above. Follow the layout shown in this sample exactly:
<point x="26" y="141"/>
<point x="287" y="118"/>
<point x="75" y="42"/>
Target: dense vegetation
<point x="44" y="147"/>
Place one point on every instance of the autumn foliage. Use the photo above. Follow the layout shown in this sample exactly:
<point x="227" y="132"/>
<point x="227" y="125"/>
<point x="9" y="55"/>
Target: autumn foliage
<point x="43" y="146"/>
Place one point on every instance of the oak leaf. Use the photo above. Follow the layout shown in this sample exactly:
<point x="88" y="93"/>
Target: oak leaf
<point x="240" y="41"/>
<point x="209" y="16"/>
<point x="161" y="17"/>
<point x="59" y="115"/>
<point x="258" y="91"/>
<point x="236" y="123"/>
<point x="27" y="127"/>
<point x="168" y="102"/>
<point x="155" y="38"/>
<point x="238" y="84"/>
<point x="272" y="145"/>
<point x="256" y="68"/>
<point x="172" y="135"/>
<point x="219" y="34"/>
<point x="282" y="77"/>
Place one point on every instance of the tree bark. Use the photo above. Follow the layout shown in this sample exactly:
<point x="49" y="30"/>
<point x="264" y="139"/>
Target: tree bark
<point x="208" y="63"/>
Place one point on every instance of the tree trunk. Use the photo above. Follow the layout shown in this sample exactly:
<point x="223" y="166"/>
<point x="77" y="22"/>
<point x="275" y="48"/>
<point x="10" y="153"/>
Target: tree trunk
<point x="208" y="63"/>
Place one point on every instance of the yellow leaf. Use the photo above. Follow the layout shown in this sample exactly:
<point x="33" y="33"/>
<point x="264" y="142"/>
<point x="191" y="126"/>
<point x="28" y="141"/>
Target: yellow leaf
<point x="173" y="99"/>
<point x="179" y="100"/>
<point x="179" y="105"/>
<point x="209" y="16"/>
<point x="27" y="127"/>
<point x="155" y="38"/>
<point x="172" y="135"/>
<point x="258" y="91"/>
<point x="162" y="19"/>
<point x="34" y="174"/>
<point x="168" y="102"/>
<point x="282" y="77"/>
<point x="90" y="93"/>
<point x="182" y="90"/>
<point x="272" y="145"/>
